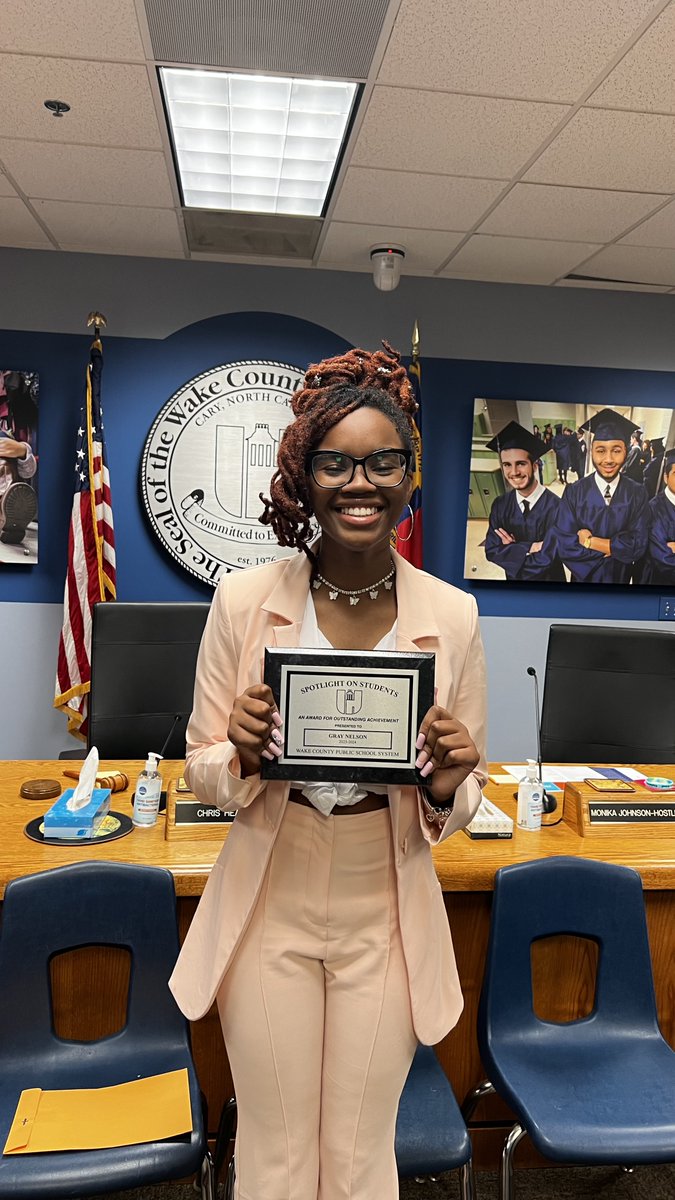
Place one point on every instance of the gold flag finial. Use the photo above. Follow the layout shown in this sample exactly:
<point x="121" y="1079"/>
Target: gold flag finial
<point x="98" y="321"/>
<point x="415" y="342"/>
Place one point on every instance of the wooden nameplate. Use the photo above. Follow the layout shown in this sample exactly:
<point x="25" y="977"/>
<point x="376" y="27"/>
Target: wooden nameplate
<point x="187" y="817"/>
<point x="590" y="812"/>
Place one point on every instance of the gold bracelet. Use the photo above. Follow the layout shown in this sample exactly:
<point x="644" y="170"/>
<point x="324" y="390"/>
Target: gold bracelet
<point x="587" y="543"/>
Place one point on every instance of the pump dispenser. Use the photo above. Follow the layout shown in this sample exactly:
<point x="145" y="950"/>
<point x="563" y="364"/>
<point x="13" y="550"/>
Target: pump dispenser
<point x="530" y="798"/>
<point x="148" y="793"/>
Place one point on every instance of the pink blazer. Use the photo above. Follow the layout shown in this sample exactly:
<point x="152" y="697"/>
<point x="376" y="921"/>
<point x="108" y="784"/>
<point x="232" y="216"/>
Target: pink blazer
<point x="263" y="607"/>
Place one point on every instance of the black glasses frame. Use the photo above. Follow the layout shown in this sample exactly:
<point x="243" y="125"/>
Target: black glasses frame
<point x="358" y="462"/>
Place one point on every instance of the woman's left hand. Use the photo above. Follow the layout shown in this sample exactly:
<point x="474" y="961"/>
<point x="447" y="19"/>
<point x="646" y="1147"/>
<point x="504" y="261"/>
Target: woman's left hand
<point x="447" y="755"/>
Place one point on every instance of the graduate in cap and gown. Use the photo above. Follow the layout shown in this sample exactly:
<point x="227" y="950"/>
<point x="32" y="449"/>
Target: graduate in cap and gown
<point x="603" y="520"/>
<point x="563" y="457"/>
<point x="652" y="475"/>
<point x="521" y="538"/>
<point x="658" y="565"/>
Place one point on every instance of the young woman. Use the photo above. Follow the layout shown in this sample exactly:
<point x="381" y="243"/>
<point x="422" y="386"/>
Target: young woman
<point x="322" y="931"/>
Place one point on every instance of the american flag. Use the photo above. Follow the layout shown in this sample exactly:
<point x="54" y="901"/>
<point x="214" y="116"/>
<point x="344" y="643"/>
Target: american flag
<point x="408" y="540"/>
<point x="91" y="575"/>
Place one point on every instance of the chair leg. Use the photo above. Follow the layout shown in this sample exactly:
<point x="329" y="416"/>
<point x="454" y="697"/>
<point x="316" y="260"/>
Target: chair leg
<point x="474" y="1097"/>
<point x="467" y="1181"/>
<point x="506" y="1172"/>
<point x="226" y="1128"/>
<point x="207" y="1178"/>
<point x="229" y="1181"/>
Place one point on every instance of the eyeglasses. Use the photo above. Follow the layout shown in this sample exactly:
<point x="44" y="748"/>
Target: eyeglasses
<point x="384" y="468"/>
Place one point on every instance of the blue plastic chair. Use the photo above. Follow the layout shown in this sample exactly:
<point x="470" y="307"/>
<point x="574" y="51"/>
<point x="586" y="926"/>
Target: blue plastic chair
<point x="599" y="1090"/>
<point x="431" y="1136"/>
<point x="93" y="903"/>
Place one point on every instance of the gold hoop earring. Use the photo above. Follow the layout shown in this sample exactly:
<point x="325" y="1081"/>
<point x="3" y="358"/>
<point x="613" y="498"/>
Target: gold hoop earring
<point x="396" y="534"/>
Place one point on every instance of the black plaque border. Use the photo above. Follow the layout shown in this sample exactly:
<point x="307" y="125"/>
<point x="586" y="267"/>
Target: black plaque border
<point x="339" y="771"/>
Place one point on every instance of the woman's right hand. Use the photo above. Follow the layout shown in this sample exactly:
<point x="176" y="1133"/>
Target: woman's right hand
<point x="254" y="727"/>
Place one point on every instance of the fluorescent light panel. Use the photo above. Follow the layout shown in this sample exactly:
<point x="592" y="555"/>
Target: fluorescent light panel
<point x="255" y="143"/>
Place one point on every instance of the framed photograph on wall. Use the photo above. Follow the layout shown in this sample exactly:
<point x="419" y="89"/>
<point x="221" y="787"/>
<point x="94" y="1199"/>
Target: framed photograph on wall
<point x="19" y="391"/>
<point x="571" y="493"/>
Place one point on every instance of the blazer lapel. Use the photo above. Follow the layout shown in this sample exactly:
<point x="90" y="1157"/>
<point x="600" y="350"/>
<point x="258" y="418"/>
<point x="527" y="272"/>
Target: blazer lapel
<point x="286" y="602"/>
<point x="416" y="625"/>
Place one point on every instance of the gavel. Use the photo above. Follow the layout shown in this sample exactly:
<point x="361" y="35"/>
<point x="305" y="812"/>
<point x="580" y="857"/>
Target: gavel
<point x="117" y="781"/>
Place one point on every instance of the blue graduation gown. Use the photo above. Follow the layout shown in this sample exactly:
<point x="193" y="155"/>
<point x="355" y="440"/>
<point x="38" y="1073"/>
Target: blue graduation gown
<point x="562" y="447"/>
<point x="625" y="521"/>
<point x="537" y="526"/>
<point x="658" y="565"/>
<point x="651" y="476"/>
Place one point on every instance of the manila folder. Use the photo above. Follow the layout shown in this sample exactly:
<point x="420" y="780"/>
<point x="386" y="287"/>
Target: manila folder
<point x="144" y="1110"/>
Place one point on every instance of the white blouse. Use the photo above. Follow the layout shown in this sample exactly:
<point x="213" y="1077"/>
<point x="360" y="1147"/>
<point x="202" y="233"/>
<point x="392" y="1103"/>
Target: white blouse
<point x="325" y="795"/>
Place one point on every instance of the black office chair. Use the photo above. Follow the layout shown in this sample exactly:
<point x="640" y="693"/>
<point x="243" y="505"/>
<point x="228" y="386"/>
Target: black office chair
<point x="143" y="661"/>
<point x="609" y="695"/>
<point x="44" y="915"/>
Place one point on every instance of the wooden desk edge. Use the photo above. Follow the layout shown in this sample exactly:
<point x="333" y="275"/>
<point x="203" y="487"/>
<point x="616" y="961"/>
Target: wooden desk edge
<point x="462" y="865"/>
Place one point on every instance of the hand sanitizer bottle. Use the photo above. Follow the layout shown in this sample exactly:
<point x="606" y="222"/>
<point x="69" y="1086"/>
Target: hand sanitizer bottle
<point x="148" y="792"/>
<point x="530" y="798"/>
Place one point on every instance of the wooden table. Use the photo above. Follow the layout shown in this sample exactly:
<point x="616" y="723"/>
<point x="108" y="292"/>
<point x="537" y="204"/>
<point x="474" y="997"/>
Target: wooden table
<point x="563" y="971"/>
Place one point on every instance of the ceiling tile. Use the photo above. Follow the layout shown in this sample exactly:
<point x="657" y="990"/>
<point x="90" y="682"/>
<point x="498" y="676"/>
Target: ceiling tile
<point x="111" y="103"/>
<point x="18" y="226"/>
<point x="634" y="264"/>
<point x="609" y="285"/>
<point x="659" y="230"/>
<point x="412" y="199"/>
<point x="452" y="135"/>
<point x="516" y="260"/>
<point x="567" y="213"/>
<point x="6" y="188"/>
<point x="536" y="49"/>
<point x="349" y="246"/>
<point x="604" y="149"/>
<point x="108" y="31"/>
<point x="644" y="79"/>
<point x="88" y="173"/>
<point x="112" y="229"/>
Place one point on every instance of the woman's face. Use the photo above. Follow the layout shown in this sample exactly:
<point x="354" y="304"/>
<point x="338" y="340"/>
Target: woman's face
<point x="360" y="515"/>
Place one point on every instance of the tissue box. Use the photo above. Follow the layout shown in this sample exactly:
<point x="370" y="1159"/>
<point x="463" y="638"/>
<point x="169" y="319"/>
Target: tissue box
<point x="61" y="822"/>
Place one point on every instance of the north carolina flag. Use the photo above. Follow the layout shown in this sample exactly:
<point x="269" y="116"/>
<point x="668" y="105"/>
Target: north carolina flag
<point x="91" y="575"/>
<point x="409" y="529"/>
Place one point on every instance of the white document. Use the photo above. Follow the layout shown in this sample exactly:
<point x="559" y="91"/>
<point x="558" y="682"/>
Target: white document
<point x="570" y="773"/>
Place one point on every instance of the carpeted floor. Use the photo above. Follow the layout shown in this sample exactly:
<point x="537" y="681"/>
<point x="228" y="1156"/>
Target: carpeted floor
<point x="563" y="1183"/>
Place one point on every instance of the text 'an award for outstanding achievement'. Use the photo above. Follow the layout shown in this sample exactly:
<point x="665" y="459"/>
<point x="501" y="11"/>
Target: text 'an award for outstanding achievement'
<point x="349" y="715"/>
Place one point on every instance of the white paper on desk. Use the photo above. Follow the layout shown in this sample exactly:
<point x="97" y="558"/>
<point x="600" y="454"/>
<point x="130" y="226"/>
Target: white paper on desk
<point x="631" y="773"/>
<point x="554" y="773"/>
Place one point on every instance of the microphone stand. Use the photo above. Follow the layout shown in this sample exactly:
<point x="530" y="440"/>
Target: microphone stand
<point x="549" y="803"/>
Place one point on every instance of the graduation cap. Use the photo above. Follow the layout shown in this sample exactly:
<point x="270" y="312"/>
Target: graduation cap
<point x="669" y="459"/>
<point x="610" y="426"/>
<point x="658" y="446"/>
<point x="516" y="437"/>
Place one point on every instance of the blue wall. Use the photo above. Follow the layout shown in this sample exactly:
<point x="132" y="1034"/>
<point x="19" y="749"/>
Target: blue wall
<point x="141" y="374"/>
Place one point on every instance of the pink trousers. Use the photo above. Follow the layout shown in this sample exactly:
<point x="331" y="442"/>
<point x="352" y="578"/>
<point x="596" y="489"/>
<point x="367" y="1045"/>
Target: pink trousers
<point x="315" y="1009"/>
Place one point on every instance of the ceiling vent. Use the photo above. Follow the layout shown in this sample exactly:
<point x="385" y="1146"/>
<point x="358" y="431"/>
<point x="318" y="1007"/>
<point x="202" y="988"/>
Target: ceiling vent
<point x="612" y="279"/>
<point x="251" y="234"/>
<point x="284" y="37"/>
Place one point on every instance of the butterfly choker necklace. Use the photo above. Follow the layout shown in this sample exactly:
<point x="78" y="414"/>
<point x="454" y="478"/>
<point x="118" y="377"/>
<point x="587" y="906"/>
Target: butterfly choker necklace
<point x="354" y="594"/>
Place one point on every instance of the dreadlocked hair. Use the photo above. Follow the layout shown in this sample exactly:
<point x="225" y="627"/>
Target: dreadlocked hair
<point x="331" y="390"/>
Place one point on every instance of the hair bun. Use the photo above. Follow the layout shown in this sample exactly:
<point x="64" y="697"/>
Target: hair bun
<point x="381" y="369"/>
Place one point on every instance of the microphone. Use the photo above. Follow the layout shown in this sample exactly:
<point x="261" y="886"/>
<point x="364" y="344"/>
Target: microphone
<point x="548" y="803"/>
<point x="178" y="717"/>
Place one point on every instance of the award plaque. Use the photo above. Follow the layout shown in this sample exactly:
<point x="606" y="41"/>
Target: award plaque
<point x="349" y="715"/>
